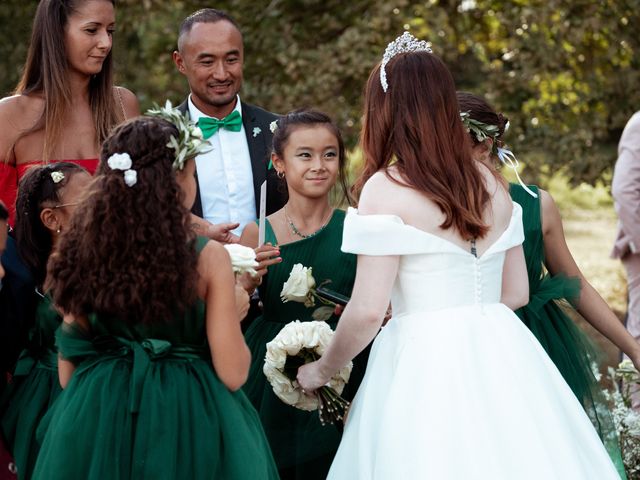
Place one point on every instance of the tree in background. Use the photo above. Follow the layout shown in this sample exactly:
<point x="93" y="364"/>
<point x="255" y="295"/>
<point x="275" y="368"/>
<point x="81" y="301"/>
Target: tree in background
<point x="566" y="72"/>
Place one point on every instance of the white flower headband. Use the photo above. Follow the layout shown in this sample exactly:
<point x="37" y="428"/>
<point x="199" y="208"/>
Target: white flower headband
<point x="405" y="43"/>
<point x="122" y="161"/>
<point x="57" y="177"/>
<point x="189" y="142"/>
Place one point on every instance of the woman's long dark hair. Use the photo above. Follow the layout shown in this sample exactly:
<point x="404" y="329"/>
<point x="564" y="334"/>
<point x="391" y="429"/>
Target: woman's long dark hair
<point x="417" y="125"/>
<point x="36" y="191"/>
<point x="129" y="251"/>
<point x="46" y="73"/>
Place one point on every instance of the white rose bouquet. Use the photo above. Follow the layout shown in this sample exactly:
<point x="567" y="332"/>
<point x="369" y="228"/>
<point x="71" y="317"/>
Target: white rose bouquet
<point x="297" y="344"/>
<point x="243" y="259"/>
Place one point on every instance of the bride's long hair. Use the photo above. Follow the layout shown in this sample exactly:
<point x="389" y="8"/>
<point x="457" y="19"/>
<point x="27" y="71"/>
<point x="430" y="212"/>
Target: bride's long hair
<point x="416" y="127"/>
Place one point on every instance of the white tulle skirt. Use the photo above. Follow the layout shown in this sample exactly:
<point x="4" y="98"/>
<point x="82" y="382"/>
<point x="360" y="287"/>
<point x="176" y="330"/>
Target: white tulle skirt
<point x="466" y="393"/>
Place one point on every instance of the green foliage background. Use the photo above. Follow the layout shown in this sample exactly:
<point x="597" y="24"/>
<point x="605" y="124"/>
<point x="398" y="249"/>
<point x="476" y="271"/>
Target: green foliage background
<point x="566" y="72"/>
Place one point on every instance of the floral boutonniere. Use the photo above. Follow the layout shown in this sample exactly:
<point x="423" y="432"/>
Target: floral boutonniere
<point x="256" y="131"/>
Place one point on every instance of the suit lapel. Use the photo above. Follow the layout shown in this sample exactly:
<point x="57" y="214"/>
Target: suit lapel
<point x="257" y="150"/>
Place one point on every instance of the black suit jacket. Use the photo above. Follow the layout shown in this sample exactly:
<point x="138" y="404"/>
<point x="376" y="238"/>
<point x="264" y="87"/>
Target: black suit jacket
<point x="260" y="153"/>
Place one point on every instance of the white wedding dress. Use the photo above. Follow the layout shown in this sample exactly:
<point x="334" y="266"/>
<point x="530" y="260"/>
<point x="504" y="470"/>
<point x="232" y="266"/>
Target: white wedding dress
<point x="456" y="386"/>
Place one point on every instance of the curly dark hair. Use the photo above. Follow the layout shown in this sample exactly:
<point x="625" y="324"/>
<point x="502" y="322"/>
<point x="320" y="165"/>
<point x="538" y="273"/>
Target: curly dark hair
<point x="36" y="191"/>
<point x="129" y="251"/>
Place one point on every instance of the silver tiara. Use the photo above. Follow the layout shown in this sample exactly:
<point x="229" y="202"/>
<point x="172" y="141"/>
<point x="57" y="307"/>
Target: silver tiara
<point x="405" y="43"/>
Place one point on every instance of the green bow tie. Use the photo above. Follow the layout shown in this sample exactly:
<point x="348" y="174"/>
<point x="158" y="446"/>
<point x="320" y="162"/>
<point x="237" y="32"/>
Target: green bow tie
<point x="209" y="126"/>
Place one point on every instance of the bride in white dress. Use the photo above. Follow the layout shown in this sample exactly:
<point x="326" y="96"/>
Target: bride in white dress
<point x="456" y="386"/>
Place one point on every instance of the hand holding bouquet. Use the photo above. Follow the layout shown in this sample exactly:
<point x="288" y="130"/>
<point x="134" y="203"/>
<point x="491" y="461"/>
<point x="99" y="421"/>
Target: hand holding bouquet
<point x="297" y="344"/>
<point x="243" y="259"/>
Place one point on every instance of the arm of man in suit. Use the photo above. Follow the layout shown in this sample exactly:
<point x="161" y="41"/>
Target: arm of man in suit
<point x="221" y="232"/>
<point x="626" y="182"/>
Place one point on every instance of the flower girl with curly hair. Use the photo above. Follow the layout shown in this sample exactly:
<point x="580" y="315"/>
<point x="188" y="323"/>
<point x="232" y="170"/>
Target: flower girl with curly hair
<point x="152" y="356"/>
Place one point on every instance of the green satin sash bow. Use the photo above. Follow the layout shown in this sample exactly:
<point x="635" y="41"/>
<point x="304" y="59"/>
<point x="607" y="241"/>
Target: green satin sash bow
<point x="209" y="126"/>
<point x="142" y="353"/>
<point x="553" y="288"/>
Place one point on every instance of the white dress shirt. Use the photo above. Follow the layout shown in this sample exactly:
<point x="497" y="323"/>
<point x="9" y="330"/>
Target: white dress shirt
<point x="225" y="176"/>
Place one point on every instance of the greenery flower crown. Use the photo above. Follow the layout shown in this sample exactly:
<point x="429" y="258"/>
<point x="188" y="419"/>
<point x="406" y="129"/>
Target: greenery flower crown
<point x="481" y="130"/>
<point x="189" y="142"/>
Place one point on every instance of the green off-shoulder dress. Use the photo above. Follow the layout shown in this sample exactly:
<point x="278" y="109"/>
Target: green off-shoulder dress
<point x="145" y="403"/>
<point x="34" y="388"/>
<point x="302" y="447"/>
<point x="566" y="344"/>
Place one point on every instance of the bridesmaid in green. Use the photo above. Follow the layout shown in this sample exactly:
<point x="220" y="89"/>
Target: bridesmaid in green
<point x="553" y="277"/>
<point x="152" y="357"/>
<point x="46" y="200"/>
<point x="309" y="157"/>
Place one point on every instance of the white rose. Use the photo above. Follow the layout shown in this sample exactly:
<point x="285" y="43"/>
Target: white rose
<point x="243" y="259"/>
<point x="130" y="177"/>
<point x="119" y="161"/>
<point x="57" y="177"/>
<point x="298" y="287"/>
<point x="273" y="126"/>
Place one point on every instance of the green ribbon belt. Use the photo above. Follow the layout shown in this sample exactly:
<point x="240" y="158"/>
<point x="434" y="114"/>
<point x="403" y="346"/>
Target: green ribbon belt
<point x="142" y="353"/>
<point x="209" y="126"/>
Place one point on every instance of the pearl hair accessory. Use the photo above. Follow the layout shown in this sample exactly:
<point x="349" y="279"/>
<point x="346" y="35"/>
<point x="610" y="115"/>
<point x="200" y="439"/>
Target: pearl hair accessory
<point x="405" y="43"/>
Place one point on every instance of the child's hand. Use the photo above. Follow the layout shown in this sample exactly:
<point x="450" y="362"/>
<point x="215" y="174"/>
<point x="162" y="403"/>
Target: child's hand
<point x="266" y="255"/>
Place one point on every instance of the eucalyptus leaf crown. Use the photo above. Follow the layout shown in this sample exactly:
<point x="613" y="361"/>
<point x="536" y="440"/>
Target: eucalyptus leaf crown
<point x="189" y="142"/>
<point x="482" y="131"/>
<point x="405" y="43"/>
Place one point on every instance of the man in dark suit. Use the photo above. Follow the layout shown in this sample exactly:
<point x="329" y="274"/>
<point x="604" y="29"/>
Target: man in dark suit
<point x="211" y="54"/>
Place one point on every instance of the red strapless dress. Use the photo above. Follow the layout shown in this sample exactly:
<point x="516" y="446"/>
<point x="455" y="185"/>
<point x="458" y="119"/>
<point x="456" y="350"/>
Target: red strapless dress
<point x="10" y="175"/>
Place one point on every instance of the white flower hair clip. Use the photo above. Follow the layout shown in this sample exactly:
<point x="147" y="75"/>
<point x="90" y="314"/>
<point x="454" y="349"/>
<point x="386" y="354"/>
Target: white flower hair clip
<point x="57" y="177"/>
<point x="405" y="43"/>
<point x="190" y="141"/>
<point x="273" y="126"/>
<point x="122" y="161"/>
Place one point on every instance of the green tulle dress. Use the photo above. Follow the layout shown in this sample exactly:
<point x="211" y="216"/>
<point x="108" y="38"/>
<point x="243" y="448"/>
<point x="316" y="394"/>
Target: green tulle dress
<point x="567" y="345"/>
<point x="34" y="388"/>
<point x="302" y="447"/>
<point x="145" y="403"/>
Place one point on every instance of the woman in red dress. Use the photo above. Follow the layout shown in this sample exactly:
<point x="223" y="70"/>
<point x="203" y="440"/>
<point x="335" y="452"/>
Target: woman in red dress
<point x="65" y="103"/>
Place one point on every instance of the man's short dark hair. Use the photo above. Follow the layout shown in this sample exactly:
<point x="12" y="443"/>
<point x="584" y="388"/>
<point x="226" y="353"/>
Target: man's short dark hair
<point x="204" y="15"/>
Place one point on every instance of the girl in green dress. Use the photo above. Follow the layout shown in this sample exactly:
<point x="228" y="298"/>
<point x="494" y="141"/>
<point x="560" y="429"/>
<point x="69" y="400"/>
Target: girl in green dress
<point x="554" y="276"/>
<point x="46" y="200"/>
<point x="308" y="155"/>
<point x="151" y="353"/>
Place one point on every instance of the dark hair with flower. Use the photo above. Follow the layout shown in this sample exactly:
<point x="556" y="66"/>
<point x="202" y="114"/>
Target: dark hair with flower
<point x="39" y="188"/>
<point x="189" y="141"/>
<point x="483" y="122"/>
<point x="129" y="252"/>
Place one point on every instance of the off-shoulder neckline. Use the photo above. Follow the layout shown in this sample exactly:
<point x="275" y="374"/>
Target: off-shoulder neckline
<point x="400" y="221"/>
